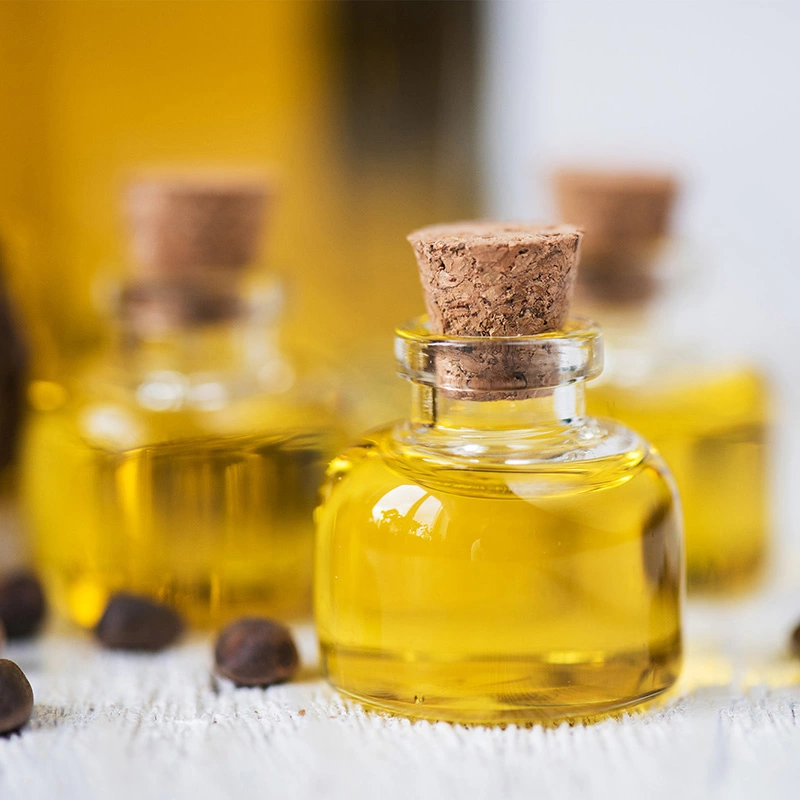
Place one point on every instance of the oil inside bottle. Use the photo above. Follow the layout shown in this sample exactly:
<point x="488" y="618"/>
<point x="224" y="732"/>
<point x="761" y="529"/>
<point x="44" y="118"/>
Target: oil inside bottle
<point x="210" y="512"/>
<point x="478" y="595"/>
<point x="711" y="430"/>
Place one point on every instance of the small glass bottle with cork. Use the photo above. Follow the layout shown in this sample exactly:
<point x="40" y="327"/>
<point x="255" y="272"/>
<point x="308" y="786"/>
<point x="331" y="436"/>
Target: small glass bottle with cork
<point x="184" y="462"/>
<point x="499" y="556"/>
<point x="707" y="414"/>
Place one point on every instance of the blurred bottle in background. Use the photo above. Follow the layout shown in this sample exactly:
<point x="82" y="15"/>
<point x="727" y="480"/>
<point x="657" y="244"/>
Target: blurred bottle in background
<point x="183" y="462"/>
<point x="707" y="415"/>
<point x="367" y="108"/>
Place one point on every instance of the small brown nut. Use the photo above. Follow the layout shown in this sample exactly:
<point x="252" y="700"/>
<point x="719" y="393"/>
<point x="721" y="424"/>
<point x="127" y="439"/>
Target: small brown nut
<point x="16" y="697"/>
<point x="256" y="652"/>
<point x="131" y="622"/>
<point x="794" y="642"/>
<point x="22" y="604"/>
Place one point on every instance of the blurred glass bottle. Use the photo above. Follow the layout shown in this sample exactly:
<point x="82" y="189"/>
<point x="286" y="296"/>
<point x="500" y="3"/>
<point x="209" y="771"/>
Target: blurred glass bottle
<point x="707" y="417"/>
<point x="184" y="462"/>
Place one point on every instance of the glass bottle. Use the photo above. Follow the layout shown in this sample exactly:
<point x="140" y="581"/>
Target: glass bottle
<point x="184" y="462"/>
<point x="499" y="556"/>
<point x="707" y="414"/>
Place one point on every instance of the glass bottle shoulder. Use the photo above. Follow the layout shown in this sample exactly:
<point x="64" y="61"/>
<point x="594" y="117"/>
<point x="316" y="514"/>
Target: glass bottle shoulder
<point x="107" y="406"/>
<point x="586" y="456"/>
<point x="673" y="370"/>
<point x="697" y="395"/>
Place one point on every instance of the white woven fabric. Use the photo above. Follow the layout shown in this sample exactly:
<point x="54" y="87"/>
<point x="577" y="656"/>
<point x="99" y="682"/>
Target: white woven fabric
<point x="109" y="725"/>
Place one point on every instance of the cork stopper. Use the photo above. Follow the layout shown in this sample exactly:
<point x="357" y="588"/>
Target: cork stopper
<point x="191" y="226"/>
<point x="484" y="279"/>
<point x="497" y="279"/>
<point x="626" y="216"/>
<point x="191" y="236"/>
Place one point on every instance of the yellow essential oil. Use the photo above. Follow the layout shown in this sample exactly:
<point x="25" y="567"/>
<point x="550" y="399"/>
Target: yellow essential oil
<point x="711" y="430"/>
<point x="499" y="560"/>
<point x="210" y="511"/>
<point x="184" y="462"/>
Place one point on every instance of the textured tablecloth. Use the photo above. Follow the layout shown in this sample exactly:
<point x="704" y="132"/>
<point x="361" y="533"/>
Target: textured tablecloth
<point x="110" y="725"/>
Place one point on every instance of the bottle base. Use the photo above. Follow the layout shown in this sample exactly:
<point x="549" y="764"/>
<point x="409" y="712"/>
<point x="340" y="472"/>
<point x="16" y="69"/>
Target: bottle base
<point x="507" y="715"/>
<point x="515" y="691"/>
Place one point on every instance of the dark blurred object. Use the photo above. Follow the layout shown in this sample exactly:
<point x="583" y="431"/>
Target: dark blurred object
<point x="22" y="604"/>
<point x="409" y="75"/>
<point x="131" y="622"/>
<point x="794" y="642"/>
<point x="626" y="217"/>
<point x="13" y="369"/>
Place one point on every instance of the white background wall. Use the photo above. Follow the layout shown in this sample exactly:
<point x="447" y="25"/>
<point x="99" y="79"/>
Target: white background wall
<point x="711" y="88"/>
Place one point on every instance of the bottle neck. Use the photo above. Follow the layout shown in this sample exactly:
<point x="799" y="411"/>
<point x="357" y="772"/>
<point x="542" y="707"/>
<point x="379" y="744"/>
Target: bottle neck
<point x="201" y="332"/>
<point x="218" y="347"/>
<point x="506" y="385"/>
<point x="550" y="409"/>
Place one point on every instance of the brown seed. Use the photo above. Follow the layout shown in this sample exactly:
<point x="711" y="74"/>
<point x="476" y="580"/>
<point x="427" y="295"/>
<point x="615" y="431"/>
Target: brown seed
<point x="22" y="604"/>
<point x="256" y="652"/>
<point x="794" y="642"/>
<point x="131" y="622"/>
<point x="16" y="697"/>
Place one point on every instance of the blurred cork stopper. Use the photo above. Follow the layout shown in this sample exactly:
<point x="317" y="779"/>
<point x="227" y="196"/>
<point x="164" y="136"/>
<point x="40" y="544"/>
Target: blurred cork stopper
<point x="195" y="225"/>
<point x="191" y="235"/>
<point x="485" y="279"/>
<point x="626" y="216"/>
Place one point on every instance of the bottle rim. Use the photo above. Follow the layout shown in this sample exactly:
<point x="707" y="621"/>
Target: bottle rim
<point x="488" y="365"/>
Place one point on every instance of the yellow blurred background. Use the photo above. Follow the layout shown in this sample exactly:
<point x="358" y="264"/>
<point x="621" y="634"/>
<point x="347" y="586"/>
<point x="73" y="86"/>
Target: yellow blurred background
<point x="369" y="130"/>
<point x="379" y="117"/>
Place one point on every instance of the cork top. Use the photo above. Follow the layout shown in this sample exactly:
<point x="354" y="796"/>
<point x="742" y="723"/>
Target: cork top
<point x="497" y="278"/>
<point x="616" y="207"/>
<point x="626" y="216"/>
<point x="195" y="225"/>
